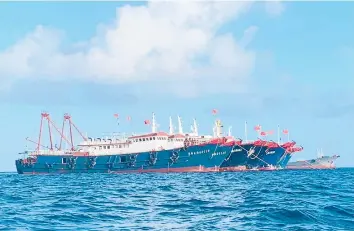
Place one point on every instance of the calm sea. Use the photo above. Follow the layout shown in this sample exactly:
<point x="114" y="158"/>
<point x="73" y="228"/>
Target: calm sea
<point x="282" y="200"/>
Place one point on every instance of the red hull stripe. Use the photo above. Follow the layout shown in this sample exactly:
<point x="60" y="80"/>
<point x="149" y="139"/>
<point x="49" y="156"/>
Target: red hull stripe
<point x="162" y="170"/>
<point x="168" y="170"/>
<point x="233" y="169"/>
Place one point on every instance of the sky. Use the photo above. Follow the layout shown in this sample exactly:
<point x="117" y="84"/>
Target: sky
<point x="268" y="63"/>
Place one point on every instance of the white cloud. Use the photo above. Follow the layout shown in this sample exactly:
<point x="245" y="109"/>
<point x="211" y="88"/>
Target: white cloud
<point x="169" y="42"/>
<point x="275" y="7"/>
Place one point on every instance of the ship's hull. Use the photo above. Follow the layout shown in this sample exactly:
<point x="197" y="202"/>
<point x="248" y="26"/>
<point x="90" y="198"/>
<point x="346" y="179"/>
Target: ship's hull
<point x="201" y="158"/>
<point x="326" y="162"/>
<point x="238" y="158"/>
<point x="284" y="160"/>
<point x="271" y="157"/>
<point x="248" y="156"/>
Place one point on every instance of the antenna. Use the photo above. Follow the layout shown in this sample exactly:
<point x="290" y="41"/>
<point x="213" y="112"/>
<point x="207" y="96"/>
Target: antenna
<point x="153" y="126"/>
<point x="230" y="130"/>
<point x="195" y="130"/>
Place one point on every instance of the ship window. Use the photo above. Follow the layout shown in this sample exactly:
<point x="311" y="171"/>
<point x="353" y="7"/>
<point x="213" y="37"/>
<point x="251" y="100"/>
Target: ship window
<point x="154" y="138"/>
<point x="104" y="147"/>
<point x="100" y="147"/>
<point x="120" y="146"/>
<point x="150" y="138"/>
<point x="108" y="147"/>
<point x="139" y="139"/>
<point x="63" y="161"/>
<point x="143" y="139"/>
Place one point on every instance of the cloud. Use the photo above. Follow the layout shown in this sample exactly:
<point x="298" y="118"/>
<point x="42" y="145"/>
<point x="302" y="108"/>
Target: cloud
<point x="274" y="8"/>
<point x="176" y="44"/>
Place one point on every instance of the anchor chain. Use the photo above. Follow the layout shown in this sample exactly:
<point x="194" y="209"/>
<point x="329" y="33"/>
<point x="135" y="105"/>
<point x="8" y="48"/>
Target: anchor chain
<point x="152" y="158"/>
<point x="109" y="164"/>
<point x="48" y="166"/>
<point x="92" y="162"/>
<point x="132" y="158"/>
<point x="72" y="163"/>
<point x="174" y="156"/>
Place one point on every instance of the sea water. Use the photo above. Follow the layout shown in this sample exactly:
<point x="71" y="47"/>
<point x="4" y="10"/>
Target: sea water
<point x="278" y="200"/>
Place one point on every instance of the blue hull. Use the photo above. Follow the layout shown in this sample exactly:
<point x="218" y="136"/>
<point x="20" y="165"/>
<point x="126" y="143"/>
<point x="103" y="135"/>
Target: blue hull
<point x="285" y="160"/>
<point x="249" y="156"/>
<point x="192" y="159"/>
<point x="244" y="156"/>
<point x="271" y="156"/>
<point x="238" y="158"/>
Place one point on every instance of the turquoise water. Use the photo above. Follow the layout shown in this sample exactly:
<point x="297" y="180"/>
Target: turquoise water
<point x="282" y="200"/>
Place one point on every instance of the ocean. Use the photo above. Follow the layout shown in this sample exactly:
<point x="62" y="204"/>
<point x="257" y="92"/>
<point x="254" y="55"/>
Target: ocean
<point x="279" y="200"/>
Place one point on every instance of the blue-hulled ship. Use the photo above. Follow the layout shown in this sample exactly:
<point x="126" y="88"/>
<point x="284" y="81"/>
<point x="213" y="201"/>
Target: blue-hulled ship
<point x="257" y="155"/>
<point x="289" y="150"/>
<point x="153" y="152"/>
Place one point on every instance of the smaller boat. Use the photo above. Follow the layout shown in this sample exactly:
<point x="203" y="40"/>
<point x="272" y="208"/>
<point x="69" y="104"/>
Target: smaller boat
<point x="321" y="162"/>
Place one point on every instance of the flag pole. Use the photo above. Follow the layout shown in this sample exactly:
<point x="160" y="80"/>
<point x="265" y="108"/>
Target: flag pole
<point x="246" y="131"/>
<point x="278" y="134"/>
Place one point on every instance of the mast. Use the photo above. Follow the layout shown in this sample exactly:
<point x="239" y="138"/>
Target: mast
<point x="195" y="127"/>
<point x="153" y="126"/>
<point x="278" y="135"/>
<point x="171" y="126"/>
<point x="180" y="129"/>
<point x="246" y="131"/>
<point x="230" y="131"/>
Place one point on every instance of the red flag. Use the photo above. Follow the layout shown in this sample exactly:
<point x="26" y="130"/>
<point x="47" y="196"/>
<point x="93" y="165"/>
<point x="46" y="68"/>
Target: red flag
<point x="257" y="127"/>
<point x="214" y="111"/>
<point x="285" y="131"/>
<point x="147" y="122"/>
<point x="263" y="133"/>
<point x="116" y="115"/>
<point x="129" y="118"/>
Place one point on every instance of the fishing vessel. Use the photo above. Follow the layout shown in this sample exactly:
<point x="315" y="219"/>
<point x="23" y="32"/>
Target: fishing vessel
<point x="289" y="150"/>
<point x="259" y="155"/>
<point x="321" y="162"/>
<point x="157" y="151"/>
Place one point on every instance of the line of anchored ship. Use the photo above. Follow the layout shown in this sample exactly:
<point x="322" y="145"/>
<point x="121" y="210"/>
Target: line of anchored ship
<point x="157" y="151"/>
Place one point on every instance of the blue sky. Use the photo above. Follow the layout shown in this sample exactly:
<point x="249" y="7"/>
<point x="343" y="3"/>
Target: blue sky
<point x="287" y="64"/>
